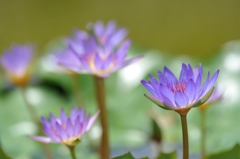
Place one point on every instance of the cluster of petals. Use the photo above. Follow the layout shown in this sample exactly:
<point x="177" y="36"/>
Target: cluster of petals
<point x="66" y="130"/>
<point x="186" y="92"/>
<point x="16" y="60"/>
<point x="100" y="51"/>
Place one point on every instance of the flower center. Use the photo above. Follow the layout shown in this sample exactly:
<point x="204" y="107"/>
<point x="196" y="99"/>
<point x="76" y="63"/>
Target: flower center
<point x="176" y="87"/>
<point x="101" y="71"/>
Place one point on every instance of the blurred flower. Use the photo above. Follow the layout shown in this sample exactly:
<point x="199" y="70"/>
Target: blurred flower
<point x="66" y="130"/>
<point x="216" y="96"/>
<point x="15" y="62"/>
<point x="99" y="54"/>
<point x="173" y="94"/>
<point x="107" y="36"/>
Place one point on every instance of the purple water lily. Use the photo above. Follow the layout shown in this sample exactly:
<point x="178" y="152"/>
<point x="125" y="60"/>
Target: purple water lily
<point x="15" y="62"/>
<point x="87" y="53"/>
<point x="66" y="130"/>
<point x="186" y="92"/>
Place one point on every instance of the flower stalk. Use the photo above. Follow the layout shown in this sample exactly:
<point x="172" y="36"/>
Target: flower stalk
<point x="34" y="117"/>
<point x="100" y="96"/>
<point x="76" y="89"/>
<point x="31" y="110"/>
<point x="72" y="152"/>
<point x="185" y="136"/>
<point x="183" y="116"/>
<point x="203" y="133"/>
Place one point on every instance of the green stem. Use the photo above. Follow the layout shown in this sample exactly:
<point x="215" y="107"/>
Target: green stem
<point x="100" y="95"/>
<point x="34" y="117"/>
<point x="184" y="135"/>
<point x="30" y="108"/>
<point x="203" y="133"/>
<point x="71" y="149"/>
<point x="76" y="90"/>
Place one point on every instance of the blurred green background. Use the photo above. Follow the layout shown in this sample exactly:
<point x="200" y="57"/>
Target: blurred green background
<point x="166" y="32"/>
<point x="196" y="28"/>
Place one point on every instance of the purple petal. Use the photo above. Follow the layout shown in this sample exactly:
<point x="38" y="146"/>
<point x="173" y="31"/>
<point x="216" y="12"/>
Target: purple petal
<point x="191" y="90"/>
<point x="169" y="75"/>
<point x="167" y="102"/>
<point x="184" y="73"/>
<point x="204" y="86"/>
<point x="63" y="116"/>
<point x="122" y="50"/>
<point x="110" y="28"/>
<point x="61" y="132"/>
<point x="204" y="98"/>
<point x="51" y="132"/>
<point x="154" y="80"/>
<point x="97" y="62"/>
<point x="77" y="126"/>
<point x="159" y="102"/>
<point x="149" y="87"/>
<point x="92" y="120"/>
<point x="181" y="99"/>
<point x="41" y="139"/>
<point x="198" y="85"/>
<point x="99" y="28"/>
<point x="73" y="114"/>
<point x="45" y="122"/>
<point x="167" y="93"/>
<point x="119" y="36"/>
<point x="69" y="128"/>
<point x="53" y="119"/>
<point x="212" y="81"/>
<point x="128" y="62"/>
<point x="162" y="78"/>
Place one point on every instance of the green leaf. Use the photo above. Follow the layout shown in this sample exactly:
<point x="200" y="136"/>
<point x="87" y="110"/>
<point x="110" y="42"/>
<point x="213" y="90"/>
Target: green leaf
<point x="172" y="155"/>
<point x="125" y="156"/>
<point x="233" y="153"/>
<point x="3" y="155"/>
<point x="156" y="131"/>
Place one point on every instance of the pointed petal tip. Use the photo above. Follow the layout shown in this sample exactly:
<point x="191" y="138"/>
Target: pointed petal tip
<point x="143" y="81"/>
<point x="40" y="138"/>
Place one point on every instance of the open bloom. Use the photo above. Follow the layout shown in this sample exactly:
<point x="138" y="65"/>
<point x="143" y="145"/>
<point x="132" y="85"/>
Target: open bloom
<point x="15" y="62"/>
<point x="185" y="92"/>
<point x="66" y="130"/>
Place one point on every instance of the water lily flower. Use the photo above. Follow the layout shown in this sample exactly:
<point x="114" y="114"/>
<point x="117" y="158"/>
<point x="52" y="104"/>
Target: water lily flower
<point x="66" y="130"/>
<point x="186" y="92"/>
<point x="85" y="54"/>
<point x="16" y="61"/>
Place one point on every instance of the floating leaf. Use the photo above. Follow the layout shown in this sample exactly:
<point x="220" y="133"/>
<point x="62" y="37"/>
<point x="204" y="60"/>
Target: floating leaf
<point x="172" y="155"/>
<point x="3" y="155"/>
<point x="125" y="156"/>
<point x="233" y="153"/>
